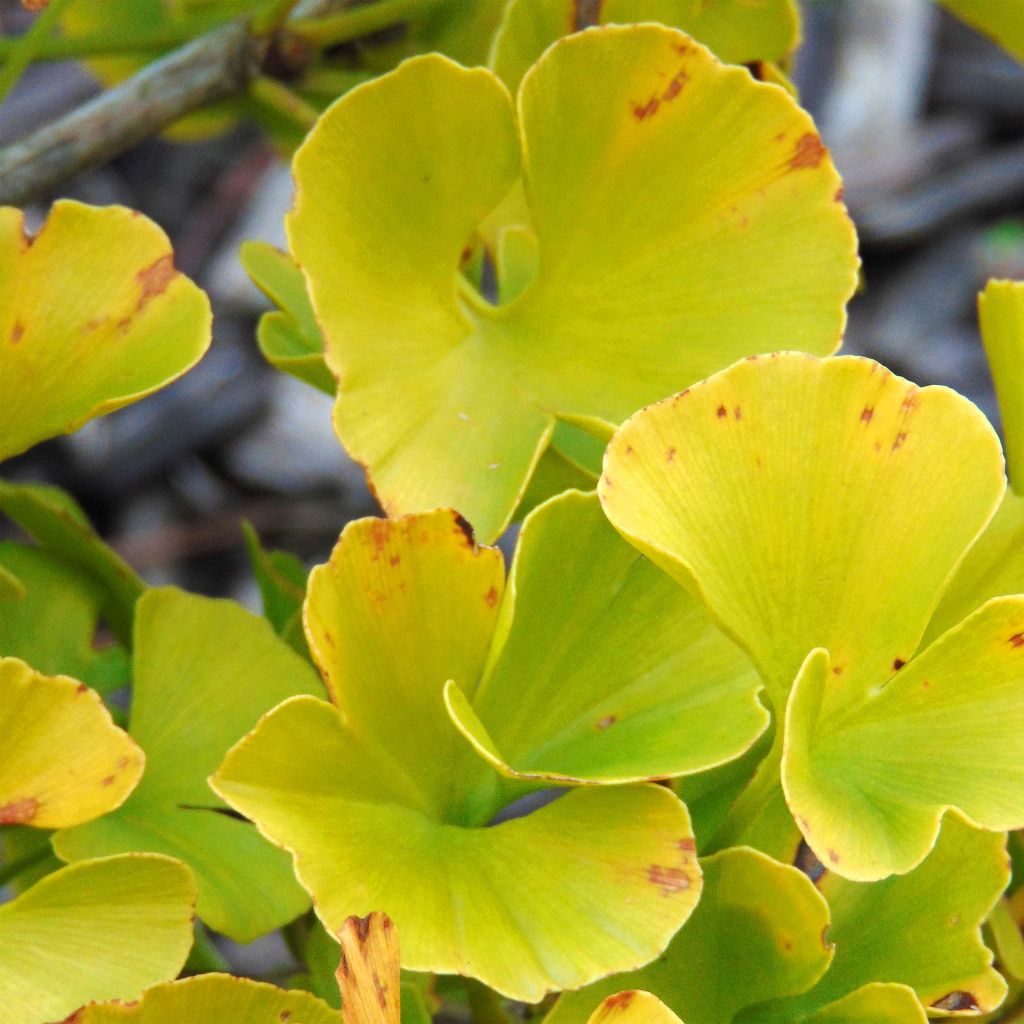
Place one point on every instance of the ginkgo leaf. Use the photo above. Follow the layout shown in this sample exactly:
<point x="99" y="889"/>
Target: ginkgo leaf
<point x="54" y="625"/>
<point x="289" y="337"/>
<point x="759" y="932"/>
<point x="64" y="761"/>
<point x="1001" y="22"/>
<point x="381" y="787"/>
<point x="84" y="336"/>
<point x="102" y="929"/>
<point x="213" y="999"/>
<point x="633" y="1007"/>
<point x="54" y="519"/>
<point x="921" y="930"/>
<point x="736" y="31"/>
<point x="946" y="731"/>
<point x="692" y="698"/>
<point x="653" y="270"/>
<point x="877" y="1003"/>
<point x="205" y="670"/>
<point x="718" y="485"/>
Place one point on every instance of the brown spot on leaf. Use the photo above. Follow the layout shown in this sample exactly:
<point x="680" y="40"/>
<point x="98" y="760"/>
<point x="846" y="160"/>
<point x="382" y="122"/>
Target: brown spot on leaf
<point x="462" y="527"/>
<point x="1017" y="640"/>
<point x="838" y="197"/>
<point x="721" y="412"/>
<point x="81" y="688"/>
<point x="675" y="87"/>
<point x="808" y="152"/>
<point x="669" y="880"/>
<point x="833" y="856"/>
<point x="670" y="455"/>
<point x="154" y="279"/>
<point x="382" y="991"/>
<point x="688" y="845"/>
<point x="109" y="780"/>
<point x="362" y="926"/>
<point x="17" y="332"/>
<point x="394" y="560"/>
<point x="897" y="664"/>
<point x="607" y="721"/>
<point x="19" y="812"/>
<point x="620" y="1000"/>
<point x="866" y="413"/>
<point x="900" y="438"/>
<point x="958" y="1000"/>
<point x="629" y="449"/>
<point x="648" y="109"/>
<point x="837" y="670"/>
<point x="285" y="1015"/>
<point x="491" y="597"/>
<point x="681" y="48"/>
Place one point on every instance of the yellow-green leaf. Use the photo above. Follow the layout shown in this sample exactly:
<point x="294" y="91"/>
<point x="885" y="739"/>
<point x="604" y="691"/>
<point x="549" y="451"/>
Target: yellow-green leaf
<point x="213" y="999"/>
<point x="692" y="698"/>
<point x="825" y="505"/>
<point x="381" y="787"/>
<point x="759" y="932"/>
<point x="653" y="269"/>
<point x="205" y="670"/>
<point x="869" y="785"/>
<point x="81" y="336"/>
<point x="921" y="930"/>
<point x="64" y="761"/>
<point x="737" y="31"/>
<point x="102" y="929"/>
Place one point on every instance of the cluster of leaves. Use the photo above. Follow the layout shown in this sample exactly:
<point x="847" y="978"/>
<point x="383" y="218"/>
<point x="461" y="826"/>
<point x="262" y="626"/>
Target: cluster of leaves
<point x="766" y="654"/>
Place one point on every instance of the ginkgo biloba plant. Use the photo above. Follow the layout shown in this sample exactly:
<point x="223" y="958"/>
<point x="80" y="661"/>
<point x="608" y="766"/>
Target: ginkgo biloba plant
<point x="739" y="734"/>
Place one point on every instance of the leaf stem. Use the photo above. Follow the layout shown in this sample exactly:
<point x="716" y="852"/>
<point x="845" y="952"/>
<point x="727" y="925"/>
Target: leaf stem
<point x="26" y="46"/>
<point x="269" y="92"/>
<point x="485" y="1004"/>
<point x="360" y="21"/>
<point x="9" y="872"/>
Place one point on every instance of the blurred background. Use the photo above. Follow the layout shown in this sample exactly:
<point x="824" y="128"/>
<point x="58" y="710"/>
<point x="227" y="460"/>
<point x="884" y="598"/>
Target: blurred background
<point x="925" y="119"/>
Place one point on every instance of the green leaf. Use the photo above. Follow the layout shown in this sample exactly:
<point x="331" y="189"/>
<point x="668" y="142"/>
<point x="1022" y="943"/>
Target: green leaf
<point x="1001" y="22"/>
<point x="53" y="626"/>
<point x="85" y="336"/>
<point x="213" y="999"/>
<point x="281" y="577"/>
<point x="877" y="1003"/>
<point x="381" y="787"/>
<point x="205" y="670"/>
<point x="103" y="929"/>
<point x="289" y="339"/>
<point x="65" y="761"/>
<point x="656" y="691"/>
<point x="758" y="932"/>
<point x="451" y="401"/>
<point x="921" y="930"/>
<point x="11" y="588"/>
<point x="870" y="784"/>
<point x="61" y="527"/>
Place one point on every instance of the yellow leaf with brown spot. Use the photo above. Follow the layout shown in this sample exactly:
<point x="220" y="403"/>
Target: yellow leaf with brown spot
<point x="369" y="974"/>
<point x="93" y="316"/>
<point x="64" y="761"/>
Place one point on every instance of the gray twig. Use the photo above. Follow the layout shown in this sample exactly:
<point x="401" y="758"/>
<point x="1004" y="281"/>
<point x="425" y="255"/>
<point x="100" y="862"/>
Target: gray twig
<point x="217" y="65"/>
